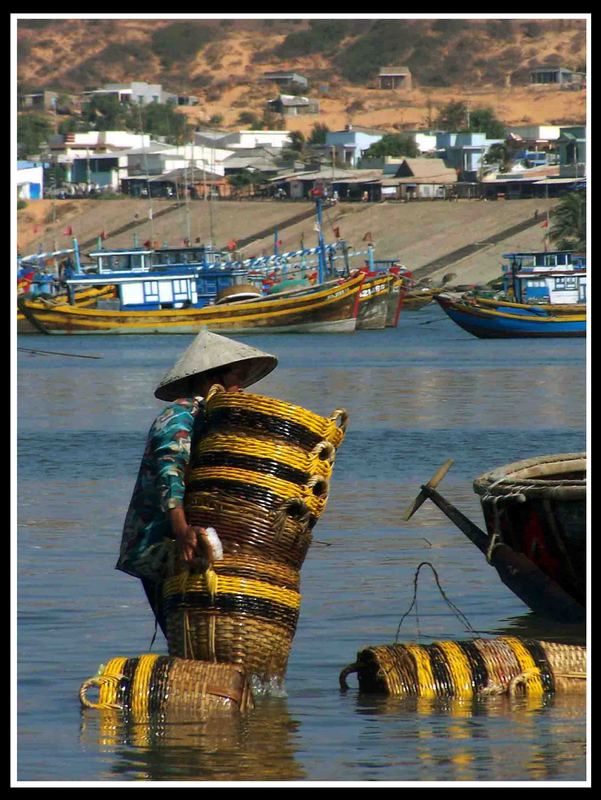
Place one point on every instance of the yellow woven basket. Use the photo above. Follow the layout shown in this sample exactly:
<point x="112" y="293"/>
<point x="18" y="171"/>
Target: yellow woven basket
<point x="246" y="615"/>
<point x="265" y="415"/>
<point x="151" y="684"/>
<point x="464" y="669"/>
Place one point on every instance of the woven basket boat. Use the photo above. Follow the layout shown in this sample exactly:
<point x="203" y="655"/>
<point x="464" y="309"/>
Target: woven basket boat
<point x="151" y="684"/>
<point x="538" y="507"/>
<point x="471" y="668"/>
<point x="258" y="475"/>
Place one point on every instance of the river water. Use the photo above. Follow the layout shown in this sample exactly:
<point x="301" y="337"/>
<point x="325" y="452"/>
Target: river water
<point x="416" y="396"/>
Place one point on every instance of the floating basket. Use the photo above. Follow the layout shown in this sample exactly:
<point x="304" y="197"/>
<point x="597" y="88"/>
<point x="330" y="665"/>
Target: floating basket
<point x="505" y="665"/>
<point x="152" y="684"/>
<point x="235" y="618"/>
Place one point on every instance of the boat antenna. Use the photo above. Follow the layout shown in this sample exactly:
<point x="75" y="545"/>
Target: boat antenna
<point x="145" y="157"/>
<point x="210" y="206"/>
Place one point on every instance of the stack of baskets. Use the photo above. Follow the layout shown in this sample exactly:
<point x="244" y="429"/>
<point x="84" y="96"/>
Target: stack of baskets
<point x="259" y="474"/>
<point x="471" y="668"/>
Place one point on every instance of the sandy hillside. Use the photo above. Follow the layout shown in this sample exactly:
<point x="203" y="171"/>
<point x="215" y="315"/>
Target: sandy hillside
<point x="227" y="72"/>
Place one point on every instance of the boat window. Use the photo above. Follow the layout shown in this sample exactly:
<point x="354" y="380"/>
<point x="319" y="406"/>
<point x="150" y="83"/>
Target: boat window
<point x="536" y="284"/>
<point x="180" y="290"/>
<point x="560" y="283"/>
<point x="117" y="263"/>
<point x="136" y="261"/>
<point x="151" y="291"/>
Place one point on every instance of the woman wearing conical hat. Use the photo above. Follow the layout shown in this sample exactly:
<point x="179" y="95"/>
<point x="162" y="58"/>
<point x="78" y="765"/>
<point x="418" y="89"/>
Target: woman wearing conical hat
<point x="156" y="510"/>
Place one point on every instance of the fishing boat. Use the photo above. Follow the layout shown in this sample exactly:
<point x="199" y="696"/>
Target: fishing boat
<point x="550" y="285"/>
<point x="330" y="307"/>
<point x="373" y="301"/>
<point x="417" y="297"/>
<point x="535" y="537"/>
<point x="394" y="274"/>
<point x="504" y="322"/>
<point x="86" y="298"/>
<point x="396" y="298"/>
<point x="41" y="276"/>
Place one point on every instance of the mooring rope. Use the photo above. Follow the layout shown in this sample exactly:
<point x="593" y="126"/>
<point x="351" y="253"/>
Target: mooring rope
<point x="460" y="615"/>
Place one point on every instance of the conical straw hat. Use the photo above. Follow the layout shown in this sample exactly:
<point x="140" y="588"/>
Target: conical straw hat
<point x="210" y="351"/>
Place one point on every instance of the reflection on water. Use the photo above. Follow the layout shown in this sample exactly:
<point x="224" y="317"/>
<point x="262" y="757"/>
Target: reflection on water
<point x="416" y="396"/>
<point x="225" y="747"/>
<point x="474" y="740"/>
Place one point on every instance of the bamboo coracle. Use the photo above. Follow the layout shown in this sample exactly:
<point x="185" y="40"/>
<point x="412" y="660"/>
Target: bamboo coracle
<point x="259" y="475"/>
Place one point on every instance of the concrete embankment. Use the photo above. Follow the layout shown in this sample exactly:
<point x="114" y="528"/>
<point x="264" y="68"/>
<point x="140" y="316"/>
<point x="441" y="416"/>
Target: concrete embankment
<point x="433" y="238"/>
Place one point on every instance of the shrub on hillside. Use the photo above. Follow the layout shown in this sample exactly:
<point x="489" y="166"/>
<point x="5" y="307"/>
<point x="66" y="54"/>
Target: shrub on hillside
<point x="180" y="41"/>
<point x="323" y="35"/>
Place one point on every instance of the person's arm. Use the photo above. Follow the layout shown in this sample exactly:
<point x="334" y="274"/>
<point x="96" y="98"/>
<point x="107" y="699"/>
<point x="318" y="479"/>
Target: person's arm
<point x="171" y="441"/>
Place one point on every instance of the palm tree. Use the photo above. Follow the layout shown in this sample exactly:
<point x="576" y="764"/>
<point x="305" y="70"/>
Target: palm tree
<point x="568" y="228"/>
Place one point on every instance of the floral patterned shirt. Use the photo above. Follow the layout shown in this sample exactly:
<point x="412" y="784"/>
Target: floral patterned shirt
<point x="160" y="484"/>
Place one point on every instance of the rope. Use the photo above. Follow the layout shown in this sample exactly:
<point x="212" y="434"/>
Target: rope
<point x="451" y="605"/>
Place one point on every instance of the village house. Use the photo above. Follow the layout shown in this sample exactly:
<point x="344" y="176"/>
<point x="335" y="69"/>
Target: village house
<point x="293" y="105"/>
<point x="465" y="152"/>
<point x="350" y="144"/>
<point x="30" y="180"/>
<point x="556" y="75"/>
<point x="419" y="179"/>
<point x="571" y="145"/>
<point x="135" y="92"/>
<point x="292" y="79"/>
<point x="37" y="101"/>
<point x="189" y="181"/>
<point x="265" y="138"/>
<point x="395" y="78"/>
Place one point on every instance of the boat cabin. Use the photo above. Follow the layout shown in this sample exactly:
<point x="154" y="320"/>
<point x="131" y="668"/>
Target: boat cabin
<point x="554" y="277"/>
<point x="148" y="279"/>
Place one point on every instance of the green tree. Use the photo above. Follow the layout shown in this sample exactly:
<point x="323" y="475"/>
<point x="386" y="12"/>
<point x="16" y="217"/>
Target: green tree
<point x="244" y="181"/>
<point x="251" y="119"/>
<point x="483" y="119"/>
<point x="393" y="144"/>
<point x="297" y="141"/>
<point x="452" y="116"/>
<point x="32" y="130"/>
<point x="568" y="222"/>
<point x="499" y="154"/>
<point x="160" y="119"/>
<point x="318" y="134"/>
<point x="104" y="113"/>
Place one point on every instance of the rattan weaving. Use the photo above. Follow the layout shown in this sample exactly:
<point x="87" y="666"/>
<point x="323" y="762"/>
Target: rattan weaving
<point x="151" y="684"/>
<point x="464" y="669"/>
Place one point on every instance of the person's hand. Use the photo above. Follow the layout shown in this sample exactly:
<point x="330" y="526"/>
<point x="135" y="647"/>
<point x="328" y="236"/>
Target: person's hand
<point x="192" y="544"/>
<point x="190" y="539"/>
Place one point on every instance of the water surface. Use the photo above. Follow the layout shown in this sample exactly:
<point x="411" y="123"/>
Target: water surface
<point x="416" y="396"/>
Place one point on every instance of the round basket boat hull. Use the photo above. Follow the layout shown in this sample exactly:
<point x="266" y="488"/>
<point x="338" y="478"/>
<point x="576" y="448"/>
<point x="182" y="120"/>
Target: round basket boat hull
<point x="538" y="508"/>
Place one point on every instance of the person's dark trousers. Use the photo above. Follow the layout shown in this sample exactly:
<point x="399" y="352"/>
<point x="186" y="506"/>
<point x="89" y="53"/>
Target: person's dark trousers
<point x="155" y="598"/>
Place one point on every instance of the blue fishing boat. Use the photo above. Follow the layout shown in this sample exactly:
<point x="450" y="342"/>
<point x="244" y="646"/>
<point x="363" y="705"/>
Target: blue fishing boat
<point x="544" y="294"/>
<point x="550" y="278"/>
<point x="503" y="322"/>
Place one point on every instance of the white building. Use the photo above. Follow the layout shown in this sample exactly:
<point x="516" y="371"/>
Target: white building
<point x="30" y="180"/>
<point x="248" y="139"/>
<point x="542" y="133"/>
